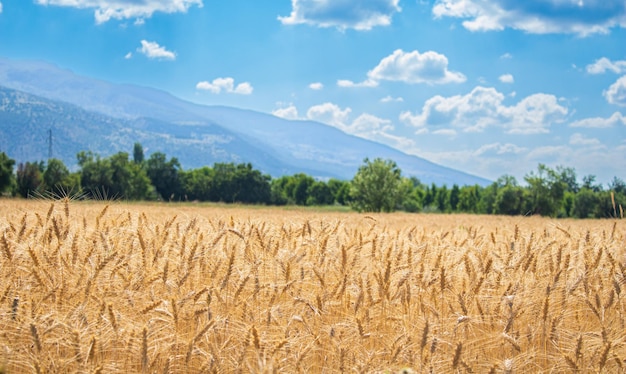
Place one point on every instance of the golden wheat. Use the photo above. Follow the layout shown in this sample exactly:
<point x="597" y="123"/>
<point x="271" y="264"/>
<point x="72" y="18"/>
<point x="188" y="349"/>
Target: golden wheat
<point x="113" y="287"/>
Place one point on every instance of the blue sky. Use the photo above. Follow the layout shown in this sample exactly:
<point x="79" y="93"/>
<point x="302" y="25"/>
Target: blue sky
<point x="488" y="87"/>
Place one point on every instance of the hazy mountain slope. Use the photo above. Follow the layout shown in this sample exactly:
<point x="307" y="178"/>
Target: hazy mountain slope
<point x="274" y="145"/>
<point x="25" y="120"/>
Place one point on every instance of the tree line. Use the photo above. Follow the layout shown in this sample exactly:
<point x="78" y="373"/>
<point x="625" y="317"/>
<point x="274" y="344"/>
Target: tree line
<point x="377" y="186"/>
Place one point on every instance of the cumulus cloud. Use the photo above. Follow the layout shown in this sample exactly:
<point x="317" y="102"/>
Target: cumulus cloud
<point x="415" y="67"/>
<point x="616" y="93"/>
<point x="155" y="51"/>
<point x="329" y="113"/>
<point x="580" y="139"/>
<point x="445" y="132"/>
<point x="227" y="85"/>
<point x="128" y="56"/>
<point x="348" y="83"/>
<point x="409" y="67"/>
<point x="365" y="125"/>
<point x="0" y="7"/>
<point x="316" y="86"/>
<point x="536" y="16"/>
<point x="342" y="14"/>
<point x="602" y="65"/>
<point x="498" y="149"/>
<point x="106" y="10"/>
<point x="484" y="107"/>
<point x="288" y="112"/>
<point x="616" y="119"/>
<point x="391" y="99"/>
<point x="506" y="78"/>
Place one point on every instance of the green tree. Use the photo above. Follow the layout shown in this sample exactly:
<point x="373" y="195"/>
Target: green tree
<point x="320" y="194"/>
<point x="196" y="184"/>
<point x="294" y="188"/>
<point x="585" y="203"/>
<point x="130" y="180"/>
<point x="429" y="196"/>
<point x="412" y="194"/>
<point x="618" y="186"/>
<point x="455" y="193"/>
<point x="589" y="182"/>
<point x="29" y="178"/>
<point x="252" y="186"/>
<point x="545" y="191"/>
<point x="376" y="186"/>
<point x="469" y="198"/>
<point x="442" y="199"/>
<point x="138" y="155"/>
<point x="567" y="176"/>
<point x="340" y="190"/>
<point x="114" y="177"/>
<point x="6" y="172"/>
<point x="509" y="200"/>
<point x="488" y="198"/>
<point x="57" y="178"/>
<point x="164" y="175"/>
<point x="279" y="194"/>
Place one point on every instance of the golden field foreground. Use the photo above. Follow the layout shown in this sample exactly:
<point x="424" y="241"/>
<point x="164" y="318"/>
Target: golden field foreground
<point x="113" y="287"/>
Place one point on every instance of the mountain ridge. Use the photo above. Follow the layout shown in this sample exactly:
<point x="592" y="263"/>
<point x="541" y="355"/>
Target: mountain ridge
<point x="200" y="135"/>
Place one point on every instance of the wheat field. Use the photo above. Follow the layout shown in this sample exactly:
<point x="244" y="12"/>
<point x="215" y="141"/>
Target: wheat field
<point x="108" y="287"/>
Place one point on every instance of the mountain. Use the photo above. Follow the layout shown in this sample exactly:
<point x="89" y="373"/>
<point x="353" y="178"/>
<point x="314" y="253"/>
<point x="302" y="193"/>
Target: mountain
<point x="89" y="114"/>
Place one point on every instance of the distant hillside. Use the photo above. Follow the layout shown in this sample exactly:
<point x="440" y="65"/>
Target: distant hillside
<point x="86" y="113"/>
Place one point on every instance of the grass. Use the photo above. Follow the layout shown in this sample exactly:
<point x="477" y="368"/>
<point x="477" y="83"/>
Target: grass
<point x="115" y="287"/>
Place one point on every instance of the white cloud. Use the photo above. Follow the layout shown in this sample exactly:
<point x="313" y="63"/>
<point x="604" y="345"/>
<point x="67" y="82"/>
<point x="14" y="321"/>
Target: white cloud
<point x="483" y="107"/>
<point x="227" y="85"/>
<point x="536" y="16"/>
<point x="288" y="112"/>
<point x="128" y="56"/>
<point x="409" y="67"/>
<point x="365" y="125"/>
<point x="445" y="132"/>
<point x="350" y="84"/>
<point x="342" y="14"/>
<point x="414" y="67"/>
<point x="506" y="56"/>
<point x="616" y="93"/>
<point x="499" y="149"/>
<point x="391" y="99"/>
<point x="600" y="66"/>
<point x="106" y="10"/>
<point x="0" y="7"/>
<point x="329" y="113"/>
<point x="316" y="86"/>
<point x="506" y="78"/>
<point x="616" y="119"/>
<point x="580" y="139"/>
<point x="154" y="50"/>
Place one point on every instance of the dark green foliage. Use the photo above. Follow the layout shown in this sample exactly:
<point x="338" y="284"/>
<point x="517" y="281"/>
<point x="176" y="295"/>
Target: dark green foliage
<point x="196" y="184"/>
<point x="6" y="172"/>
<point x="509" y="200"/>
<point x="29" y="178"/>
<point x="138" y="155"/>
<point x="164" y="175"/>
<point x="376" y="186"/>
<point x="58" y="181"/>
<point x="585" y="203"/>
<point x="320" y="194"/>
<point x="114" y="177"/>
